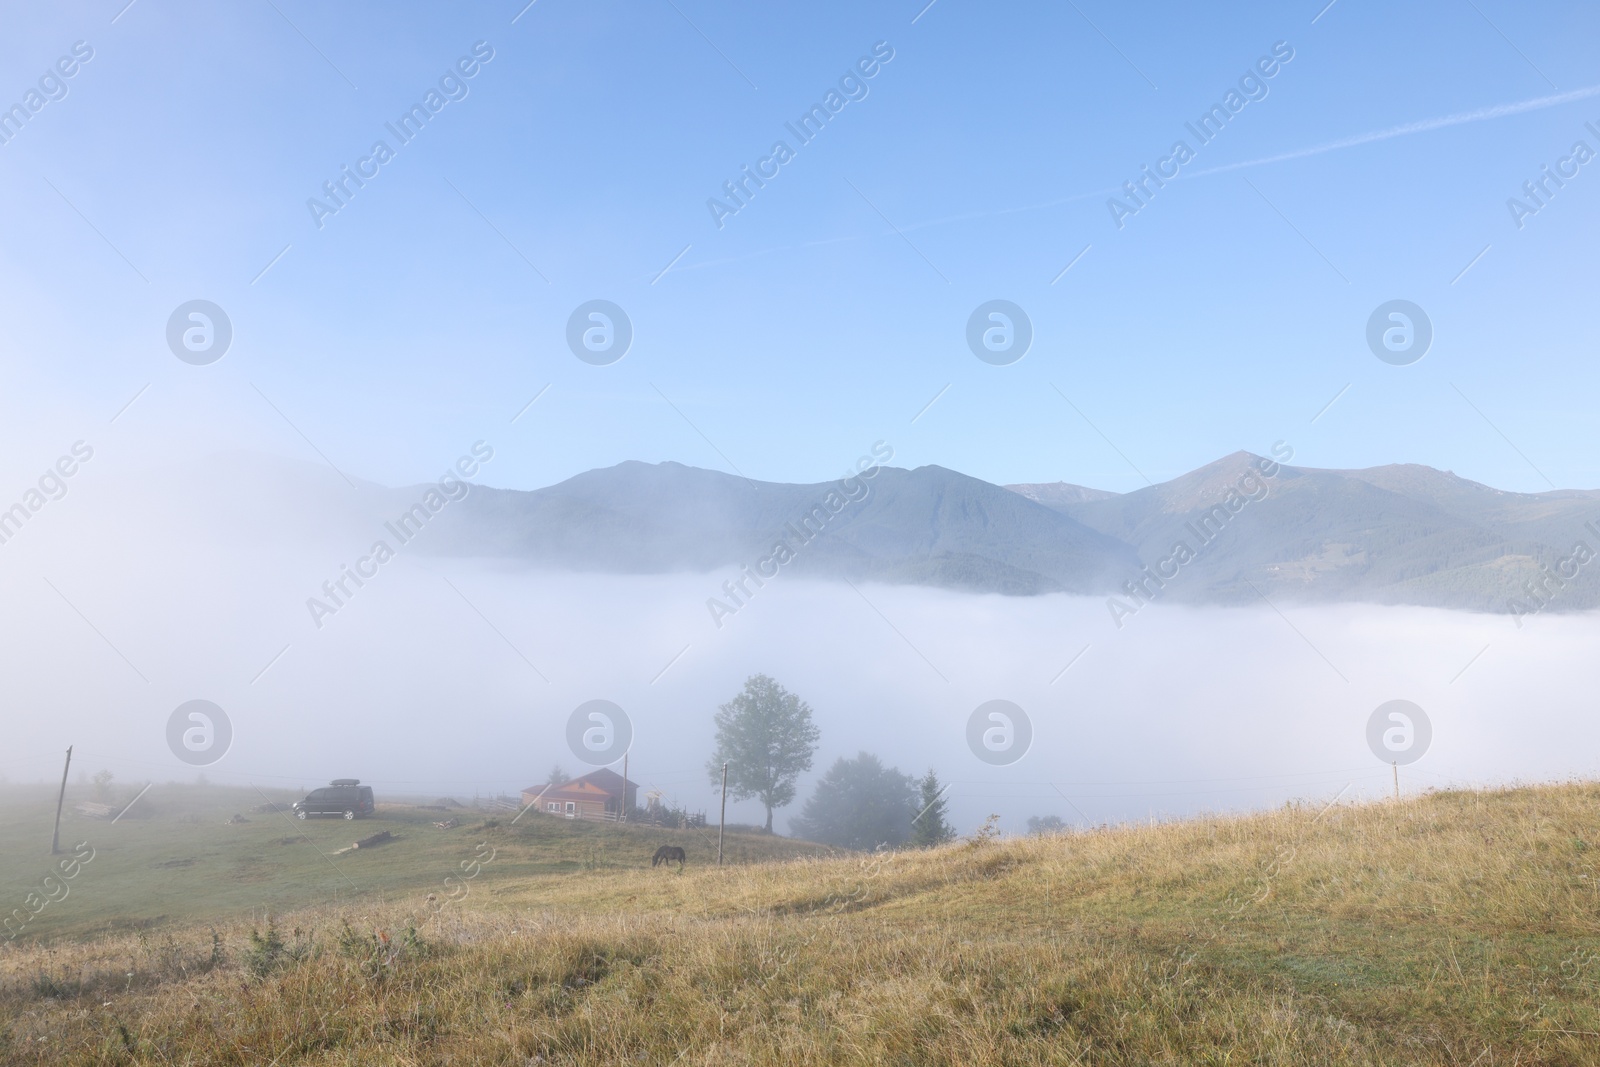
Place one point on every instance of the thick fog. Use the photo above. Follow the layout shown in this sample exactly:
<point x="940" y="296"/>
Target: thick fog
<point x="139" y="588"/>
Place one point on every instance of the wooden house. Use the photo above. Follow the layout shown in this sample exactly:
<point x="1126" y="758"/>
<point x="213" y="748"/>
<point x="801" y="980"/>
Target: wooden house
<point x="601" y="794"/>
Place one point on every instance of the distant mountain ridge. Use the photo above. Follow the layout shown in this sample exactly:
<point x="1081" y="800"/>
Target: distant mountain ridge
<point x="1400" y="534"/>
<point x="930" y="526"/>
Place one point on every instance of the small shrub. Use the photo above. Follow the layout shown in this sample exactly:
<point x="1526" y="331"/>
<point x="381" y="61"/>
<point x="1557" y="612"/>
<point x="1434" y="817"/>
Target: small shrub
<point x="987" y="832"/>
<point x="269" y="952"/>
<point x="46" y="985"/>
<point x="216" y="959"/>
<point x="378" y="953"/>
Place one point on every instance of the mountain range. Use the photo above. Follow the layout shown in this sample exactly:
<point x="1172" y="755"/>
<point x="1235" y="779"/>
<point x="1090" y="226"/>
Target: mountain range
<point x="1252" y="528"/>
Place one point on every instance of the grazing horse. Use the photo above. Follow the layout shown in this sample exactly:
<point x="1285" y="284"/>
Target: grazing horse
<point x="668" y="854"/>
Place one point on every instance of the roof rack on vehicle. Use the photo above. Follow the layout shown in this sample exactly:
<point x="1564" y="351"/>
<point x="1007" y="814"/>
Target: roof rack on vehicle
<point x="345" y="781"/>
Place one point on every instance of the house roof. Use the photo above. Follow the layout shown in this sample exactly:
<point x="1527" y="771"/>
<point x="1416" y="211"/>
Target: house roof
<point x="603" y="781"/>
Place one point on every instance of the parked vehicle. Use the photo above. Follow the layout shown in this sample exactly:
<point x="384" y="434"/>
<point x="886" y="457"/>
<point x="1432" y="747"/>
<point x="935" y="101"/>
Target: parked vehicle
<point x="342" y="796"/>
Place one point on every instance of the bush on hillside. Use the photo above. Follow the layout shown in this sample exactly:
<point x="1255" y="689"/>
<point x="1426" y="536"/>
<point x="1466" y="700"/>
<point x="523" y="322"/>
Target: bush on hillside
<point x="860" y="804"/>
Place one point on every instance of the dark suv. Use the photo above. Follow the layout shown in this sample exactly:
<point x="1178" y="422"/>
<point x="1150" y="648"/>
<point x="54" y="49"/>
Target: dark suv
<point x="342" y="796"/>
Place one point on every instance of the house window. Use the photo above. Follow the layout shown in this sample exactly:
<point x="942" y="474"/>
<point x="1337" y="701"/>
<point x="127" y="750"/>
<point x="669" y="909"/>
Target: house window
<point x="552" y="805"/>
<point x="571" y="807"/>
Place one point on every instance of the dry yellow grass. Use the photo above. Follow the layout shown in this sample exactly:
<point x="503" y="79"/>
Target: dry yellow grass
<point x="1460" y="928"/>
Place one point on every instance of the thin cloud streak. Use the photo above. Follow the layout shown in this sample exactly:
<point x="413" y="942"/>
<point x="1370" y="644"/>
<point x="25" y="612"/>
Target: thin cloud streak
<point x="1405" y="129"/>
<point x="1462" y="118"/>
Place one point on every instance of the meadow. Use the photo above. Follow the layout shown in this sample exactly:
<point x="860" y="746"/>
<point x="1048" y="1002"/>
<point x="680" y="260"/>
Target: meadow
<point x="177" y="857"/>
<point x="1453" y="928"/>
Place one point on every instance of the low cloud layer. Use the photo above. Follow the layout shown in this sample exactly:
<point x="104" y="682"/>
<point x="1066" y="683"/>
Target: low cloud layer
<point x="451" y="677"/>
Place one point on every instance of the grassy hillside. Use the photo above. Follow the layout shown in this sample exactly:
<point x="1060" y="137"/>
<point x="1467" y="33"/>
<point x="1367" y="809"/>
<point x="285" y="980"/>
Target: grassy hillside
<point x="1461" y="928"/>
<point x="175" y="859"/>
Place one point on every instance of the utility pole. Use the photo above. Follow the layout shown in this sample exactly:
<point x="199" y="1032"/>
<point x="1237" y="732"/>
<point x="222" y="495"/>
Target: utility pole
<point x="722" y="821"/>
<point x="1396" y="766"/>
<point x="55" y="838"/>
<point x="624" y="788"/>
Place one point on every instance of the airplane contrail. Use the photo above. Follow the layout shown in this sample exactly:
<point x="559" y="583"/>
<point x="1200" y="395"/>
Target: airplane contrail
<point x="1420" y="126"/>
<point x="1461" y="118"/>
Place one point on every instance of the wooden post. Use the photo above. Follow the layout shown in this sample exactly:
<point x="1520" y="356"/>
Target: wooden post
<point x="1396" y="766"/>
<point x="55" y="838"/>
<point x="722" y="821"/>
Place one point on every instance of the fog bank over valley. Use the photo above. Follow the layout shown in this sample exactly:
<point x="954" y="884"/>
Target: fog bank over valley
<point x="440" y="675"/>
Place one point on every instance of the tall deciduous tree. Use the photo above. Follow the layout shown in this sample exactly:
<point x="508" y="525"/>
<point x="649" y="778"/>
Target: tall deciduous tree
<point x="766" y="737"/>
<point x="860" y="803"/>
<point x="930" y="827"/>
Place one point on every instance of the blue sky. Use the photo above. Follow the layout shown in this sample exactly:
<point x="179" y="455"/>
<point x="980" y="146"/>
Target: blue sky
<point x="831" y="309"/>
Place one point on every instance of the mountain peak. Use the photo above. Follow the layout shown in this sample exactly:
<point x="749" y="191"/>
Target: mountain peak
<point x="1056" y="494"/>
